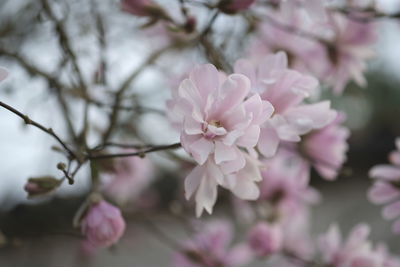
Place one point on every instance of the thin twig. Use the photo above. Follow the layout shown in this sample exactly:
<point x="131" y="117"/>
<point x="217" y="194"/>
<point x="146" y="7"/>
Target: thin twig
<point x="113" y="118"/>
<point x="53" y="83"/>
<point x="133" y="154"/>
<point x="49" y="131"/>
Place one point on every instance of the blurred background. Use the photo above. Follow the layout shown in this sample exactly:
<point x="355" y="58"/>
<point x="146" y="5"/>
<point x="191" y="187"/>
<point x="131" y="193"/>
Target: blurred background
<point x="38" y="232"/>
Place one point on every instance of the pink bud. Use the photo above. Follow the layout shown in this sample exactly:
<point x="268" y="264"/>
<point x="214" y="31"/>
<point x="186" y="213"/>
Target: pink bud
<point x="234" y="6"/>
<point x="265" y="239"/>
<point x="103" y="225"/>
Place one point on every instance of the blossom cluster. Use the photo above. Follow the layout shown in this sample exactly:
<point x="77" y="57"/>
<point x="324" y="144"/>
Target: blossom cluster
<point x="226" y="119"/>
<point x="255" y="124"/>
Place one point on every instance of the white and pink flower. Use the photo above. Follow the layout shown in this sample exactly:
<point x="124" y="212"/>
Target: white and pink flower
<point x="103" y="224"/>
<point x="211" y="248"/>
<point x="286" y="89"/>
<point x="219" y="118"/>
<point x="385" y="189"/>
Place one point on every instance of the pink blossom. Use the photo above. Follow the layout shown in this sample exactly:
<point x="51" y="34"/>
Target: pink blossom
<point x="103" y="224"/>
<point x="217" y="120"/>
<point x="137" y="7"/>
<point x="285" y="184"/>
<point x="129" y="178"/>
<point x="297" y="238"/>
<point x="314" y="8"/>
<point x="346" y="54"/>
<point x="205" y="178"/>
<point x="357" y="250"/>
<point x="270" y="38"/>
<point x="210" y="248"/>
<point x="326" y="148"/>
<point x="265" y="239"/>
<point x="234" y="6"/>
<point x="385" y="189"/>
<point x="286" y="89"/>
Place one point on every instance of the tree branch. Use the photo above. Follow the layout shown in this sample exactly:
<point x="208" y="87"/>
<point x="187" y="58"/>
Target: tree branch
<point x="49" y="131"/>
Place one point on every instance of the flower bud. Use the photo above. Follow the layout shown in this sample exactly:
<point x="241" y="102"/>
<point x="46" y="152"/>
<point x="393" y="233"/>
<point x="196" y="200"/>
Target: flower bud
<point x="41" y="185"/>
<point x="265" y="239"/>
<point x="234" y="6"/>
<point x="103" y="224"/>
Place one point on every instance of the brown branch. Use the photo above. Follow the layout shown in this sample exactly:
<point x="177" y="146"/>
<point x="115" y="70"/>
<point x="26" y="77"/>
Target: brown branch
<point x="49" y="131"/>
<point x="64" y="42"/>
<point x="133" y="154"/>
<point x="113" y="117"/>
<point x="52" y="81"/>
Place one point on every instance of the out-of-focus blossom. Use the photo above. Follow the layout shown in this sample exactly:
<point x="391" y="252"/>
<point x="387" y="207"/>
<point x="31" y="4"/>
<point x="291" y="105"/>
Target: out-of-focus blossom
<point x="285" y="184"/>
<point x="129" y="178"/>
<point x="210" y="248"/>
<point x="217" y="120"/>
<point x="297" y="239"/>
<point x="265" y="239"/>
<point x="234" y="6"/>
<point x="270" y="38"/>
<point x="103" y="224"/>
<point x="346" y="51"/>
<point x="314" y="8"/>
<point x="357" y="250"/>
<point x="140" y="7"/>
<point x="3" y="74"/>
<point x="285" y="89"/>
<point x="385" y="189"/>
<point x="326" y="148"/>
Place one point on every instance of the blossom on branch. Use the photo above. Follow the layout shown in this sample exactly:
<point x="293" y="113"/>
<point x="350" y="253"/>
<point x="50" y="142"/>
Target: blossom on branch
<point x="286" y="89"/>
<point x="357" y="250"/>
<point x="103" y="224"/>
<point x="211" y="248"/>
<point x="385" y="189"/>
<point x="218" y="120"/>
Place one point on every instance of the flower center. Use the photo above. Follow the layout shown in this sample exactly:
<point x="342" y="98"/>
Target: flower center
<point x="215" y="123"/>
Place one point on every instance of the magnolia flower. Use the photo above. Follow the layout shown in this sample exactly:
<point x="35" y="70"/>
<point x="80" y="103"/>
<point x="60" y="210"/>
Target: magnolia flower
<point x="211" y="248"/>
<point x="129" y="178"/>
<point x="346" y="54"/>
<point x="217" y="120"/>
<point x="314" y="8"/>
<point x="297" y="239"/>
<point x="103" y="224"/>
<point x="285" y="89"/>
<point x="205" y="178"/>
<point x="385" y="189"/>
<point x="326" y="148"/>
<point x="269" y="39"/>
<point x="285" y="184"/>
<point x="357" y="250"/>
<point x="234" y="6"/>
<point x="265" y="239"/>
